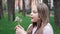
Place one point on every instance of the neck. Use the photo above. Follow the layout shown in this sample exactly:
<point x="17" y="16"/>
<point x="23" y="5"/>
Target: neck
<point x="34" y="24"/>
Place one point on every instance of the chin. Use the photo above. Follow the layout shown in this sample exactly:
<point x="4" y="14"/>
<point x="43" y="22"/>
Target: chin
<point x="32" y="21"/>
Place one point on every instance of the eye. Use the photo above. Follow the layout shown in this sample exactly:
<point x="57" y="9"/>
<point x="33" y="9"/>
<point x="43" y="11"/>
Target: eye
<point x="34" y="11"/>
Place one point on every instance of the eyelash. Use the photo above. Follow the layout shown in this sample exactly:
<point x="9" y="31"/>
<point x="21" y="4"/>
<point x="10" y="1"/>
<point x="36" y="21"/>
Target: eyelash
<point x="34" y="12"/>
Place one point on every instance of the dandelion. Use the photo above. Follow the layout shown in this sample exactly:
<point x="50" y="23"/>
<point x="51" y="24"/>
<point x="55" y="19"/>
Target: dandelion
<point x="18" y="20"/>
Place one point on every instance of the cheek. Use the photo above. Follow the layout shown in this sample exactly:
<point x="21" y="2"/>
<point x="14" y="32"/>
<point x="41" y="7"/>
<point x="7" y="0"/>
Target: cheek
<point x="36" y="18"/>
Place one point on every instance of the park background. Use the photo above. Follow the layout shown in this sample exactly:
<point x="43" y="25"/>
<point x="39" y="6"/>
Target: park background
<point x="10" y="9"/>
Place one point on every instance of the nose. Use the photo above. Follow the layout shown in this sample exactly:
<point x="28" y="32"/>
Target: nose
<point x="31" y="13"/>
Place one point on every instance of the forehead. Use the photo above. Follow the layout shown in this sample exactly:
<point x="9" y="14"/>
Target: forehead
<point x="34" y="8"/>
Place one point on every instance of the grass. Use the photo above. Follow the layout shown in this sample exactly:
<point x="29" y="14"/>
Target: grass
<point x="7" y="27"/>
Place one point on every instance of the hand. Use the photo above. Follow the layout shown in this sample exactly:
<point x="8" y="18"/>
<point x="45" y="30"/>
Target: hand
<point x="20" y="30"/>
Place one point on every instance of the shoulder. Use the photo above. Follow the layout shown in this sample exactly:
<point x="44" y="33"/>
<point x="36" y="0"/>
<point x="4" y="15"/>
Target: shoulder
<point x="29" y="29"/>
<point x="29" y="26"/>
<point x="48" y="29"/>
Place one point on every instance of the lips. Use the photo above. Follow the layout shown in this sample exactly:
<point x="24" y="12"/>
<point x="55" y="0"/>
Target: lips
<point x="31" y="17"/>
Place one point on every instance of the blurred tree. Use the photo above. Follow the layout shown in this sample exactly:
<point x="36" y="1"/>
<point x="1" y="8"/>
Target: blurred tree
<point x="46" y="2"/>
<point x="19" y="5"/>
<point x="1" y="10"/>
<point x="13" y="4"/>
<point x="11" y="12"/>
<point x="4" y="4"/>
<point x="57" y="12"/>
<point x="24" y="11"/>
<point x="30" y="5"/>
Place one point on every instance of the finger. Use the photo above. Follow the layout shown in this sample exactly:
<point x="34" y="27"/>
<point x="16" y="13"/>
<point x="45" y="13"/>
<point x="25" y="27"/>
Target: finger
<point x="16" y="27"/>
<point x="20" y="26"/>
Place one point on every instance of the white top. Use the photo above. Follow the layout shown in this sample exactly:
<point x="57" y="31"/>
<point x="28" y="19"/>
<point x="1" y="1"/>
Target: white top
<point x="34" y="29"/>
<point x="46" y="30"/>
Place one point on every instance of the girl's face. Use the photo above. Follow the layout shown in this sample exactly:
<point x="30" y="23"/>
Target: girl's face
<point x="34" y="14"/>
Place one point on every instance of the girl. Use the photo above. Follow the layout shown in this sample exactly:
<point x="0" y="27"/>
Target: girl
<point x="40" y="21"/>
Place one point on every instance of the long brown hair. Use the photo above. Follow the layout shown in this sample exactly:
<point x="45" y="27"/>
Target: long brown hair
<point x="43" y="13"/>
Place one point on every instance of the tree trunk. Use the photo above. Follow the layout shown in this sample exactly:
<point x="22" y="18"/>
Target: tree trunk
<point x="24" y="11"/>
<point x="13" y="12"/>
<point x="57" y="12"/>
<point x="30" y="3"/>
<point x="19" y="5"/>
<point x="1" y="11"/>
<point x="11" y="6"/>
<point x="46" y="2"/>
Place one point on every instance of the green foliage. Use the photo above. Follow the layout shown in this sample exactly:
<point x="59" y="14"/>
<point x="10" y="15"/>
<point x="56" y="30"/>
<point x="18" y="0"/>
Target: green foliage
<point x="55" y="28"/>
<point x="7" y="27"/>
